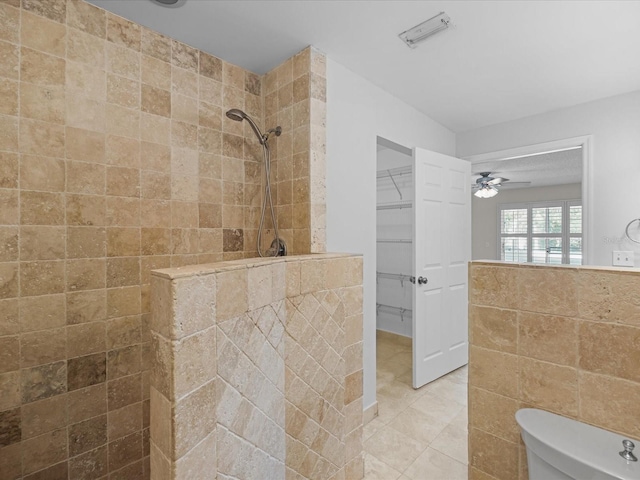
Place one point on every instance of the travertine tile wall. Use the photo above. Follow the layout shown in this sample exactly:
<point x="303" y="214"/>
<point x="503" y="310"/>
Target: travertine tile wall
<point x="115" y="158"/>
<point x="295" y="98"/>
<point x="562" y="339"/>
<point x="258" y="370"/>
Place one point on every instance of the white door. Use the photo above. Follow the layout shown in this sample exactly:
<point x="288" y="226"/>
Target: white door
<point x="441" y="252"/>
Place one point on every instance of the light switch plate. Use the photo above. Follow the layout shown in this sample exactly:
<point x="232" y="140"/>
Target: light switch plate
<point x="622" y="259"/>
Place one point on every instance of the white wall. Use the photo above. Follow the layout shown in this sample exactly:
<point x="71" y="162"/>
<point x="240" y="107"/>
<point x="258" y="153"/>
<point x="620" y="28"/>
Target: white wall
<point x="485" y="213"/>
<point x="615" y="125"/>
<point x="357" y="112"/>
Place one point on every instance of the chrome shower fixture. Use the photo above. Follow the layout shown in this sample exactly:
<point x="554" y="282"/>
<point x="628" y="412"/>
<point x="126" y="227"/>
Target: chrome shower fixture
<point x="238" y="115"/>
<point x="278" y="246"/>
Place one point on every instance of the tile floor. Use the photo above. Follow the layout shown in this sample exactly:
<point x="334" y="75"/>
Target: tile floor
<point x="418" y="434"/>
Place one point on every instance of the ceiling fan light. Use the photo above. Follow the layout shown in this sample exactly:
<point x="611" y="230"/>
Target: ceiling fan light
<point x="487" y="191"/>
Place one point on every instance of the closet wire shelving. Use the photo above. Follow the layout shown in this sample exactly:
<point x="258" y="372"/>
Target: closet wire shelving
<point x="396" y="276"/>
<point x="401" y="312"/>
<point x="391" y="175"/>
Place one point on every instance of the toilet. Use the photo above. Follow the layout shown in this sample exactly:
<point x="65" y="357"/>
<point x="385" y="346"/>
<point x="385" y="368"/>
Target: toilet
<point x="559" y="448"/>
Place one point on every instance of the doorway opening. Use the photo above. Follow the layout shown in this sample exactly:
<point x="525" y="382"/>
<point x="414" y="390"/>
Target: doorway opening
<point x="541" y="214"/>
<point x="418" y="432"/>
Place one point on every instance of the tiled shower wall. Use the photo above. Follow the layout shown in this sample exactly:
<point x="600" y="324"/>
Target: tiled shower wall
<point x="258" y="370"/>
<point x="295" y="98"/>
<point x="561" y="339"/>
<point x="115" y="158"/>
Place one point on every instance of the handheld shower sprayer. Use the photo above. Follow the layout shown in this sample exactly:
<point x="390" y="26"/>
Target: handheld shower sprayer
<point x="238" y="115"/>
<point x="278" y="247"/>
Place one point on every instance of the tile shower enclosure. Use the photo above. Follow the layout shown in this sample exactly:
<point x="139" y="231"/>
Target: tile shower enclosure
<point x="115" y="159"/>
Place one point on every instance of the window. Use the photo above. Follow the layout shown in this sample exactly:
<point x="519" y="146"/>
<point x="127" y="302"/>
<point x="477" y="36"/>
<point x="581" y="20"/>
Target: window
<point x="543" y="232"/>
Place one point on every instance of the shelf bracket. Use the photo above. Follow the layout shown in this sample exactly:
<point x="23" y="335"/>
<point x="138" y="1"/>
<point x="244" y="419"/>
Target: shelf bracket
<point x="394" y="183"/>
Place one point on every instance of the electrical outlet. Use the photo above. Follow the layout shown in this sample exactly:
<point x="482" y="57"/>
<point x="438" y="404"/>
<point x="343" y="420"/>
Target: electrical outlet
<point x="622" y="259"/>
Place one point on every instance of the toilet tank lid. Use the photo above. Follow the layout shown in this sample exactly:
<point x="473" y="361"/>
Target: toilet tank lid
<point x="587" y="444"/>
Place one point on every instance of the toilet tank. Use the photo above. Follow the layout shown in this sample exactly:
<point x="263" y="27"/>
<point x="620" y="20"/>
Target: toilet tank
<point x="559" y="448"/>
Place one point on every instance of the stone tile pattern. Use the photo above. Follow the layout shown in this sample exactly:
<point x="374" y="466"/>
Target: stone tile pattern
<point x="295" y="99"/>
<point x="115" y="158"/>
<point x="285" y="364"/>
<point x="562" y="339"/>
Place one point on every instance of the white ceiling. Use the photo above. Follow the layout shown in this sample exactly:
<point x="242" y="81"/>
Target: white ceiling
<point x="557" y="168"/>
<point x="503" y="59"/>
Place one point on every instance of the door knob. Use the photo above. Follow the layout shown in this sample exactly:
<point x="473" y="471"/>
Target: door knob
<point x="422" y="280"/>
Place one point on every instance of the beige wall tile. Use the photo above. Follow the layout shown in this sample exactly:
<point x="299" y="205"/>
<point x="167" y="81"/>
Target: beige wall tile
<point x="41" y="278"/>
<point x="199" y="461"/>
<point x="40" y="68"/>
<point x="41" y="34"/>
<point x="122" y="121"/>
<point x="609" y="349"/>
<point x="608" y="297"/>
<point x="9" y="280"/>
<point x="85" y="339"/>
<point x="41" y="208"/>
<point x="184" y="82"/>
<point x="10" y="53"/>
<point x="45" y="103"/>
<point x="9" y="133"/>
<point x="39" y="138"/>
<point x="10" y="22"/>
<point x="44" y="416"/>
<point x="86" y="242"/>
<point x="86" y="306"/>
<point x="122" y="61"/>
<point x="494" y="414"/>
<point x="538" y="291"/>
<point x="609" y="403"/>
<point x="493" y="455"/>
<point x="156" y="73"/>
<point x="86" y="113"/>
<point x="85" y="274"/>
<point x="44" y="450"/>
<point x="10" y="353"/>
<point x="42" y="243"/>
<point x="85" y="145"/>
<point x="9" y="244"/>
<point x="123" y="212"/>
<point x="123" y="301"/>
<point x="194" y="419"/>
<point x="231" y="294"/>
<point x="155" y="101"/>
<point x="491" y="286"/>
<point x="553" y="339"/>
<point x="85" y="48"/>
<point x="42" y="173"/>
<point x="9" y="168"/>
<point x="10" y="389"/>
<point x="493" y="371"/>
<point x="86" y="80"/>
<point x="123" y="32"/>
<point x="87" y="18"/>
<point x="155" y="45"/>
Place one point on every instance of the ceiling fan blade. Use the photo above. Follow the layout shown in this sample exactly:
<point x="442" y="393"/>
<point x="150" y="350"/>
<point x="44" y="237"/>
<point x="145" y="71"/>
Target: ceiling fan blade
<point x="497" y="181"/>
<point x="513" y="184"/>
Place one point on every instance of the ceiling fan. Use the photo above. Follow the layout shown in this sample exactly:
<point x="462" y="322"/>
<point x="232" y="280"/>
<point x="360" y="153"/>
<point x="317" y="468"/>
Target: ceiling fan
<point x="487" y="186"/>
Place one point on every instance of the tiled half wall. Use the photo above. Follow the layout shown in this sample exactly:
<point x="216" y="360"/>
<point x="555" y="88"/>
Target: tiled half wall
<point x="561" y="339"/>
<point x="257" y="370"/>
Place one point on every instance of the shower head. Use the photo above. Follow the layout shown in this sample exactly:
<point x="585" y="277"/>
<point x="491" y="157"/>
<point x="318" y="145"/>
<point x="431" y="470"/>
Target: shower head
<point x="238" y="115"/>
